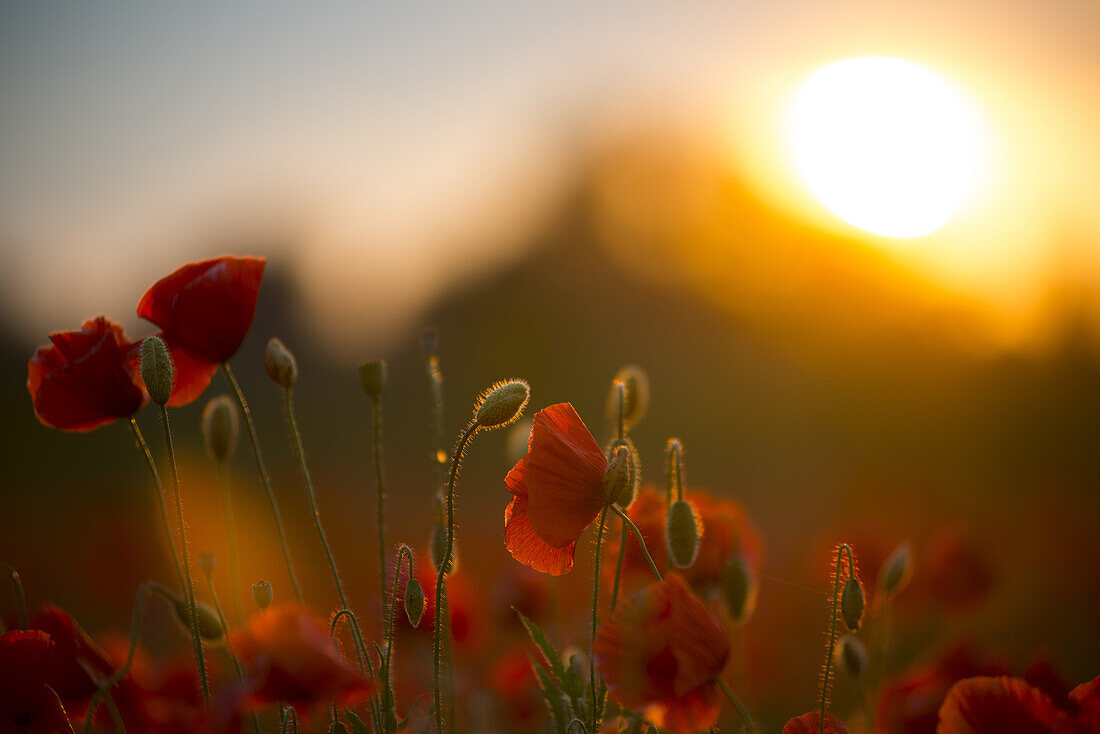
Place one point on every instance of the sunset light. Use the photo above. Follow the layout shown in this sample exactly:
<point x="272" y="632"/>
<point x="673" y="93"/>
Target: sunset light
<point x="887" y="145"/>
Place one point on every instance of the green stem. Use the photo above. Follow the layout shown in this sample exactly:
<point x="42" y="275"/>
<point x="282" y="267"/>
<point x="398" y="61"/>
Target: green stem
<point x="832" y="630"/>
<point x="390" y="626"/>
<point x="144" y="448"/>
<point x="196" y="640"/>
<point x="595" y="614"/>
<point x="637" y="534"/>
<point x="745" y="718"/>
<point x="228" y="650"/>
<point x="235" y="386"/>
<point x="618" y="568"/>
<point x="290" y="716"/>
<point x="20" y="597"/>
<point x="356" y="633"/>
<point x="444" y="567"/>
<point x="293" y="422"/>
<point x="231" y="537"/>
<point x="376" y="404"/>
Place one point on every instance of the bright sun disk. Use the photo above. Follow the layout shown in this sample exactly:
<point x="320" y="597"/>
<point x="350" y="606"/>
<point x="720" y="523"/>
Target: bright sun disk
<point x="886" y="145"/>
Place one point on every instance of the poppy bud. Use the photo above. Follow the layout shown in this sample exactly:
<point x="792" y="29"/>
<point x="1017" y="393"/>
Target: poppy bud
<point x="851" y="603"/>
<point x="210" y="625"/>
<point x="263" y="594"/>
<point x="739" y="588"/>
<point x="337" y="728"/>
<point x="221" y="426"/>
<point x="625" y="497"/>
<point x="502" y="403"/>
<point x="207" y="563"/>
<point x="636" y="396"/>
<point x="851" y="655"/>
<point x="896" y="571"/>
<point x="682" y="533"/>
<point x="280" y="364"/>
<point x="156" y="369"/>
<point x="618" y="477"/>
<point x="372" y="376"/>
<point x="414" y="601"/>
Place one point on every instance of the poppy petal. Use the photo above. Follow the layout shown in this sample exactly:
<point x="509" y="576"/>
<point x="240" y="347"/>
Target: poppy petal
<point x="696" y="710"/>
<point x="190" y="374"/>
<point x="527" y="547"/>
<point x="810" y="723"/>
<point x="987" y="705"/>
<point x="564" y="475"/>
<point x="700" y="644"/>
<point x="24" y="661"/>
<point x="1086" y="699"/>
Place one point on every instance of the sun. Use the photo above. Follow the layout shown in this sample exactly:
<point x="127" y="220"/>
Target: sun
<point x="887" y="145"/>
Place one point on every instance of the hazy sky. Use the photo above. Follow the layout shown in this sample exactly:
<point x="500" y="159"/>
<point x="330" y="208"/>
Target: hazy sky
<point x="384" y="134"/>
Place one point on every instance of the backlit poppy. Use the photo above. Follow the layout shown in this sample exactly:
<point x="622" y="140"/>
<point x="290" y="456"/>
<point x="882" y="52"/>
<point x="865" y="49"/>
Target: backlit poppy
<point x="989" y="705"/>
<point x="74" y="658"/>
<point x="204" y="310"/>
<point x="557" y="488"/>
<point x="291" y="657"/>
<point x="660" y="650"/>
<point x="27" y="704"/>
<point x="84" y="379"/>
<point x="811" y="724"/>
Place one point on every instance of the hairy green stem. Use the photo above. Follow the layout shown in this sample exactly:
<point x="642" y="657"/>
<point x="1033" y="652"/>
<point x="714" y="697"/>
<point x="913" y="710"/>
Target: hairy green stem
<point x="741" y="710"/>
<point x="832" y="629"/>
<point x="144" y="448"/>
<point x="196" y="640"/>
<point x="390" y="627"/>
<point x="641" y="541"/>
<point x="231" y="538"/>
<point x="618" y="567"/>
<point x="290" y="716"/>
<point x="356" y="633"/>
<point x="595" y="615"/>
<point x="235" y="386"/>
<point x="20" y="597"/>
<point x="444" y="567"/>
<point x="376" y="405"/>
<point x="228" y="650"/>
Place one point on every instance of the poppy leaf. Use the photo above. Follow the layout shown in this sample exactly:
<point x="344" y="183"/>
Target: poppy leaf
<point x="553" y="697"/>
<point x="404" y="723"/>
<point x="358" y="726"/>
<point x="548" y="652"/>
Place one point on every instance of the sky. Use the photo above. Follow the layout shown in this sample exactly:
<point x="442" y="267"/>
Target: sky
<point x="404" y="147"/>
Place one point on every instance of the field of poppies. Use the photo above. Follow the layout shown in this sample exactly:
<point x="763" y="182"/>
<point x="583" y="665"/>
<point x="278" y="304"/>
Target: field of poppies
<point x="653" y="641"/>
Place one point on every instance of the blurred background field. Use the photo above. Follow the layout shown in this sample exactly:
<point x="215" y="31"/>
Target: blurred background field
<point x="561" y="191"/>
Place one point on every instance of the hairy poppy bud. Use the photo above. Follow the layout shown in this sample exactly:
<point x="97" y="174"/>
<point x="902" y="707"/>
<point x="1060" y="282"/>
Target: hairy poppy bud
<point x="739" y="588"/>
<point x="156" y="369"/>
<point x="210" y="626"/>
<point x="221" y="426"/>
<point x="414" y="601"/>
<point x="851" y="655"/>
<point x="619" y="475"/>
<point x="207" y="563"/>
<point x="851" y="603"/>
<point x="280" y="364"/>
<point x="635" y="382"/>
<point x="626" y="496"/>
<point x="502" y="403"/>
<point x="682" y="533"/>
<point x="372" y="376"/>
<point x="263" y="594"/>
<point x="896" y="571"/>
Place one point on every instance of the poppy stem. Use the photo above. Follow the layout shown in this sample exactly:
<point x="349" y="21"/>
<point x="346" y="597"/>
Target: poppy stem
<point x="356" y="633"/>
<point x="825" y="679"/>
<point x="641" y="541"/>
<point x="376" y="405"/>
<point x="144" y="448"/>
<point x="390" y="703"/>
<point x="196" y="640"/>
<point x="741" y="710"/>
<point x="618" y="568"/>
<point x="675" y="479"/>
<point x="445" y="567"/>
<point x="293" y="422"/>
<point x="290" y="716"/>
<point x="595" y="615"/>
<point x="231" y="537"/>
<point x="20" y="597"/>
<point x="229" y="650"/>
<point x="232" y="380"/>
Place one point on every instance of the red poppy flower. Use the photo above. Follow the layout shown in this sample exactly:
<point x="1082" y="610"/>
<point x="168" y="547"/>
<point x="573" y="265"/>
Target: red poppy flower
<point x="1085" y="702"/>
<point x="72" y="655"/>
<point x="811" y="724"/>
<point x="204" y="310"/>
<point x="84" y="379"/>
<point x="27" y="704"/>
<point x="288" y="652"/>
<point x="557" y="491"/>
<point x="661" y="649"/>
<point x="727" y="531"/>
<point x="988" y="705"/>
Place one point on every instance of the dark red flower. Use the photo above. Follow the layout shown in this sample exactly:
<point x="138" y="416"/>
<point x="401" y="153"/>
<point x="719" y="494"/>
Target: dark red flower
<point x="27" y="704"/>
<point x="661" y="650"/>
<point x="557" y="491"/>
<point x="1085" y="703"/>
<point x="811" y="724"/>
<point x="999" y="705"/>
<point x="72" y="656"/>
<point x="291" y="657"/>
<point x="84" y="379"/>
<point x="204" y="310"/>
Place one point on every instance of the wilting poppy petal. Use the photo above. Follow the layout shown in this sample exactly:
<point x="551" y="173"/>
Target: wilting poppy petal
<point x="293" y="659"/>
<point x="664" y="647"/>
<point x="564" y="475"/>
<point x="811" y="724"/>
<point x="83" y="379"/>
<point x="206" y="307"/>
<point x="997" y="706"/>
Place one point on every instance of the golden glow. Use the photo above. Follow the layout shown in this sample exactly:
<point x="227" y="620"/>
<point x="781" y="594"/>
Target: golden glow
<point x="886" y="145"/>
